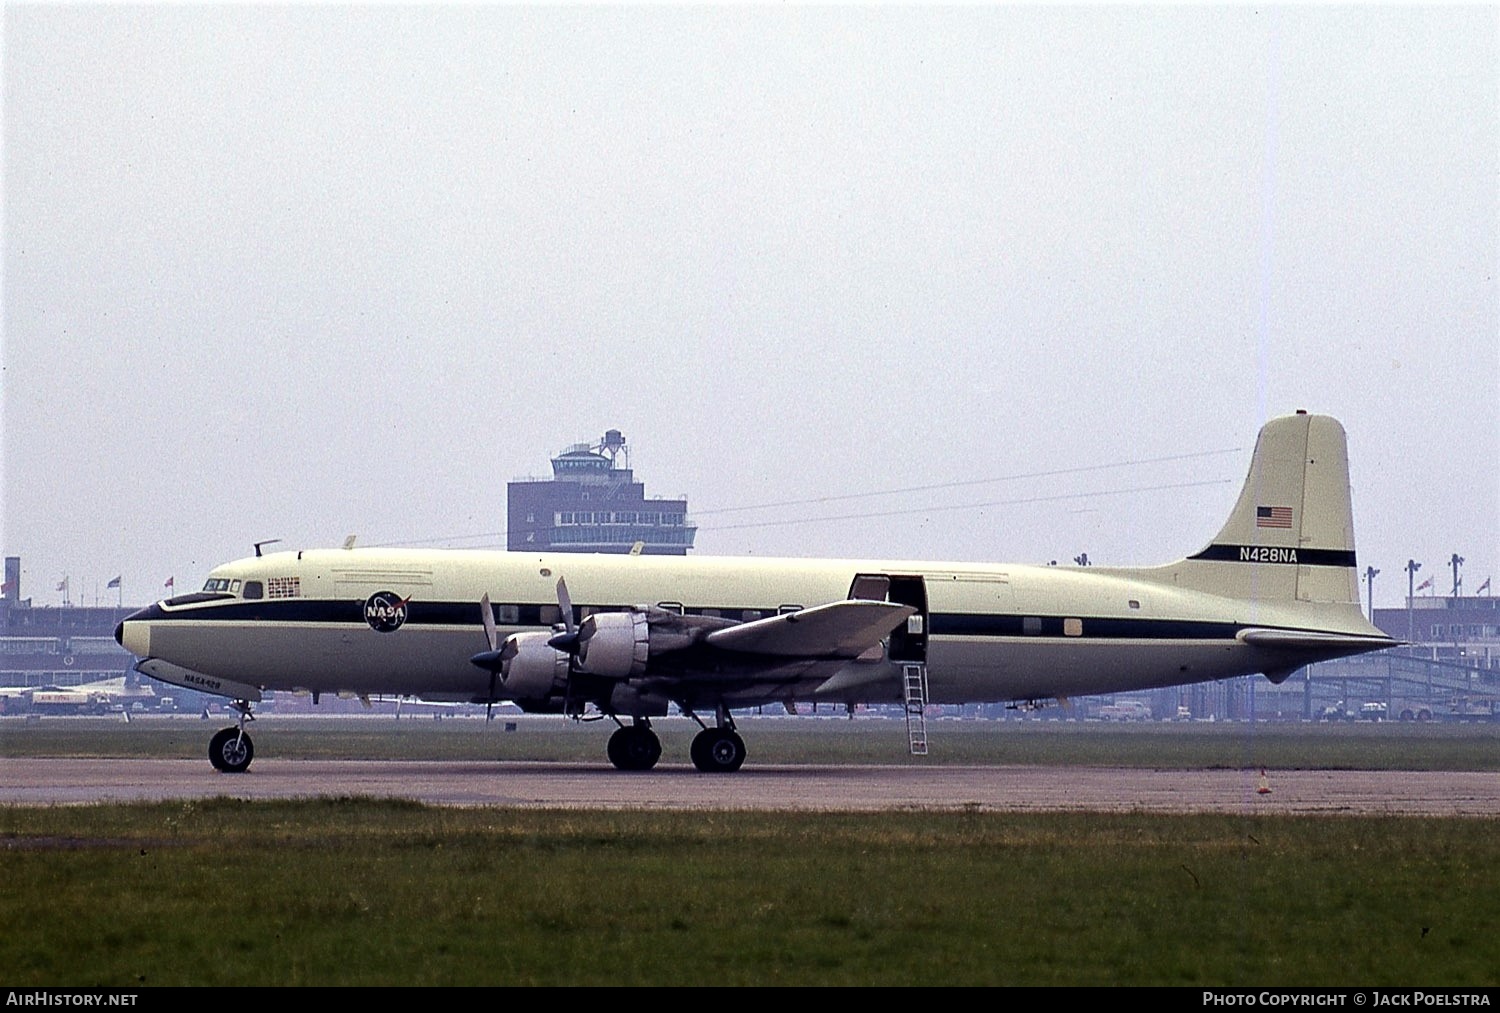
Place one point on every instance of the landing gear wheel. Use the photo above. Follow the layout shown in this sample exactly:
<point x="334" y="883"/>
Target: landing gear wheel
<point x="231" y="751"/>
<point x="634" y="748"/>
<point x="718" y="751"/>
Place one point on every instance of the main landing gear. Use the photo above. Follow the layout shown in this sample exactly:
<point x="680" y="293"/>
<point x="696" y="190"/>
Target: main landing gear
<point x="715" y="750"/>
<point x="718" y="750"/>
<point x="230" y="751"/>
<point x="634" y="746"/>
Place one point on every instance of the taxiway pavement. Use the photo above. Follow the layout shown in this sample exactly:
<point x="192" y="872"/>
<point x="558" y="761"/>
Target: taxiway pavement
<point x="809" y="788"/>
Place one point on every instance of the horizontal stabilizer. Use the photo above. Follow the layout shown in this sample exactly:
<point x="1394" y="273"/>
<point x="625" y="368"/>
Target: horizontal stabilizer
<point x="1310" y="640"/>
<point x="841" y="629"/>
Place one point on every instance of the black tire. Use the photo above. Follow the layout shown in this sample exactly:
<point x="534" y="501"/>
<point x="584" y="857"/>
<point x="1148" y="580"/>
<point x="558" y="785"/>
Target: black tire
<point x="718" y="751"/>
<point x="230" y="751"/>
<point x="699" y="750"/>
<point x="634" y="748"/>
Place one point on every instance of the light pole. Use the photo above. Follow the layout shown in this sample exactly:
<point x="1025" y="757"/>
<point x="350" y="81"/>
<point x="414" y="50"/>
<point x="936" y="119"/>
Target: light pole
<point x="1458" y="582"/>
<point x="1370" y="574"/>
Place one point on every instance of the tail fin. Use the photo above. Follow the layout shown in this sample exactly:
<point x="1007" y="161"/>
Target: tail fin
<point x="1291" y="535"/>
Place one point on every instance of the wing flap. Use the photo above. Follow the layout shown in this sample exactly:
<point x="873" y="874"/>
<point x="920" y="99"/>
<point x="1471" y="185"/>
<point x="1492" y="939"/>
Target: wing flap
<point x="841" y="629"/>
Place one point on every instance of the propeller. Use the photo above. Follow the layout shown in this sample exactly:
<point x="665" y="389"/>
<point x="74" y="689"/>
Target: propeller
<point x="569" y="640"/>
<point x="493" y="659"/>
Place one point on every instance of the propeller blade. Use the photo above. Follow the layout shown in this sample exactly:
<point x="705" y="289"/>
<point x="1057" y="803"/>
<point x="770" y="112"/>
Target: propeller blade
<point x="565" y="604"/>
<point x="487" y="616"/>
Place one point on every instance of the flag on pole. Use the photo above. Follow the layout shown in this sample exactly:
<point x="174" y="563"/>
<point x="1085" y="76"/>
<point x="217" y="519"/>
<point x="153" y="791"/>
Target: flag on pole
<point x="1425" y="584"/>
<point x="62" y="585"/>
<point x="113" y="583"/>
<point x="170" y="582"/>
<point x="1485" y="586"/>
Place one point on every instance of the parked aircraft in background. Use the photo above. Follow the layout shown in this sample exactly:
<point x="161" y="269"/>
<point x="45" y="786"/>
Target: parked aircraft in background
<point x="625" y="637"/>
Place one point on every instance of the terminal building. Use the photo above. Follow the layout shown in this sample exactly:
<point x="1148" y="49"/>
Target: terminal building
<point x="592" y="503"/>
<point x="45" y="651"/>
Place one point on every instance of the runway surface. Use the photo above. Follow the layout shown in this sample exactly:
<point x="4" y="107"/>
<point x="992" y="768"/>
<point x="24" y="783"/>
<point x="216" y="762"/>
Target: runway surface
<point x="864" y="788"/>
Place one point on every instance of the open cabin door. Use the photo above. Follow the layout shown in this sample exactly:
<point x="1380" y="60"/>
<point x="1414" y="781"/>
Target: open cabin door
<point x="908" y="642"/>
<point x="907" y="648"/>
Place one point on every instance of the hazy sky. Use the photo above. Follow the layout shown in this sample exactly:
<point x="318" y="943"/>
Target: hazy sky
<point x="299" y="272"/>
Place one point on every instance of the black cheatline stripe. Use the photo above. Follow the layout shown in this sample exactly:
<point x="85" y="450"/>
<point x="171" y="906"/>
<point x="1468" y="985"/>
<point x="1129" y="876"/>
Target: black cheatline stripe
<point x="430" y="614"/>
<point x="1092" y="628"/>
<point x="1265" y="554"/>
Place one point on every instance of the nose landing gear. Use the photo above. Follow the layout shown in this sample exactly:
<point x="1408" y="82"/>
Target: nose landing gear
<point x="230" y="751"/>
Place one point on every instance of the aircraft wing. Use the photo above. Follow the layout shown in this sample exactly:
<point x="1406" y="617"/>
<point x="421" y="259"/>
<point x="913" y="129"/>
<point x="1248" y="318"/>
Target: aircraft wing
<point x="841" y="629"/>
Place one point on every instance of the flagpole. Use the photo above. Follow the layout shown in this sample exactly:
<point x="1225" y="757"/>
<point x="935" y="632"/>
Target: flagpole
<point x="1412" y="566"/>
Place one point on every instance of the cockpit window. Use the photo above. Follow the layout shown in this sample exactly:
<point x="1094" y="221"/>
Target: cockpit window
<point x="254" y="589"/>
<point x="220" y="584"/>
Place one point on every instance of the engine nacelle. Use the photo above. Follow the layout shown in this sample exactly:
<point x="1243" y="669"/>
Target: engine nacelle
<point x="532" y="670"/>
<point x="614" y="645"/>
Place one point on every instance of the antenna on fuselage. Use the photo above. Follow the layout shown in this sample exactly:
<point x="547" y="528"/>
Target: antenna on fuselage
<point x="268" y="541"/>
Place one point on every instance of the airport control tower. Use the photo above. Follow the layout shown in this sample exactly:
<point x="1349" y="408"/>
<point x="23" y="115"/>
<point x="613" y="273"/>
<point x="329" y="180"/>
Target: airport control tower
<point x="593" y="504"/>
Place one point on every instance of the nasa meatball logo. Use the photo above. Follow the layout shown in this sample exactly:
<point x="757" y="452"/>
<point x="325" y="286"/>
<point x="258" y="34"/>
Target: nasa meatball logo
<point x="385" y="611"/>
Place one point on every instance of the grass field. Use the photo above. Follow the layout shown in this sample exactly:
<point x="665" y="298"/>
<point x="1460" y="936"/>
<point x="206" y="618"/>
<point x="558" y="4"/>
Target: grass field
<point x="372" y="893"/>
<point x="366" y="892"/>
<point x="1387" y="746"/>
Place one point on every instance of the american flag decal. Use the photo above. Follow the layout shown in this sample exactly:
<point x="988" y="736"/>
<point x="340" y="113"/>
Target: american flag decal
<point x="1273" y="517"/>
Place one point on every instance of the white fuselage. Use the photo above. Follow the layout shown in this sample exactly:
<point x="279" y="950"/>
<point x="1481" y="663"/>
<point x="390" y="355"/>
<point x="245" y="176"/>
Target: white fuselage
<point x="984" y="632"/>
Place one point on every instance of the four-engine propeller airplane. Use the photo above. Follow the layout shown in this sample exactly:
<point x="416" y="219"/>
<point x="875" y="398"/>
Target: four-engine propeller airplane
<point x="627" y="636"/>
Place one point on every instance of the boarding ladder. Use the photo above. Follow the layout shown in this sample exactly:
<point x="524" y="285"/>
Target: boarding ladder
<point x="914" y="688"/>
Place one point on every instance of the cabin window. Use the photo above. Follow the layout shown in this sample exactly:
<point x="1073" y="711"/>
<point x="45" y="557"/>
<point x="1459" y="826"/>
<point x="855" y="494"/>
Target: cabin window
<point x="786" y="610"/>
<point x="254" y="589"/>
<point x="1031" y="626"/>
<point x="1072" y="627"/>
<point x="671" y="606"/>
<point x="551" y="615"/>
<point x="510" y="614"/>
<point x="750" y="615"/>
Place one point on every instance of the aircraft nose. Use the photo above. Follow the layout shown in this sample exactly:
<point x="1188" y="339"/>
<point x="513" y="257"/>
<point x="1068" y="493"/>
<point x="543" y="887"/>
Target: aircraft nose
<point x="134" y="632"/>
